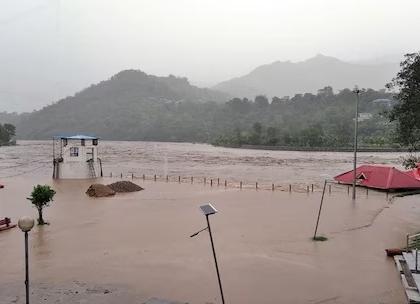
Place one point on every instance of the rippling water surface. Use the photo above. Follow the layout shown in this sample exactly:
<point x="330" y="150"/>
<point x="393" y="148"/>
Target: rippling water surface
<point x="199" y="160"/>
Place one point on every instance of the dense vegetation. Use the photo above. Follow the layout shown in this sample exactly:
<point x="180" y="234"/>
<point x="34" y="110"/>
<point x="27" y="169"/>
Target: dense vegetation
<point x="7" y="131"/>
<point x="322" y="120"/>
<point x="406" y="113"/>
<point x="135" y="106"/>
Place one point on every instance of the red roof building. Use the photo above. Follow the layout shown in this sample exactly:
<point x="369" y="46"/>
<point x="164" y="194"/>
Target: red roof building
<point x="381" y="177"/>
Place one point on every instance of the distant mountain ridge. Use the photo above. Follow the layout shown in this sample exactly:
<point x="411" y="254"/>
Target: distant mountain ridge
<point x="287" y="78"/>
<point x="124" y="104"/>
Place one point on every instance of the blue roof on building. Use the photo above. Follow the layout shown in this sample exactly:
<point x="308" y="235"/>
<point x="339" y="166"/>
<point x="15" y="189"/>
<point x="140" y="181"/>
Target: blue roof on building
<point x="78" y="136"/>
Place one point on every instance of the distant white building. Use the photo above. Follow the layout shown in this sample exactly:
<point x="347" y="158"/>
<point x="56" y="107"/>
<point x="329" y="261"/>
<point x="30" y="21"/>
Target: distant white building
<point x="76" y="157"/>
<point x="365" y="116"/>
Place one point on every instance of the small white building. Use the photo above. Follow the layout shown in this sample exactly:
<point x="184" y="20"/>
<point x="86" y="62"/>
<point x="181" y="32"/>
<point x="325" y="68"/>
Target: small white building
<point x="76" y="157"/>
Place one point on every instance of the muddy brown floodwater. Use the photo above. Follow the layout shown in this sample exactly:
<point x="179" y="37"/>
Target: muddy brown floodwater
<point x="134" y="246"/>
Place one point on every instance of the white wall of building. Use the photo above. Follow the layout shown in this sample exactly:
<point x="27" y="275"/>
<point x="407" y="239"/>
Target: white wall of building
<point x="75" y="159"/>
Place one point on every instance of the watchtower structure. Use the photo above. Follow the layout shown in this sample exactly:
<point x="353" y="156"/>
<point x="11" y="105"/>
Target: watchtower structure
<point x="76" y="156"/>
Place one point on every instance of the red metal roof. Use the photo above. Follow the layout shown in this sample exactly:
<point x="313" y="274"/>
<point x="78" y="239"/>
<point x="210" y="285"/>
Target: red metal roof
<point x="380" y="177"/>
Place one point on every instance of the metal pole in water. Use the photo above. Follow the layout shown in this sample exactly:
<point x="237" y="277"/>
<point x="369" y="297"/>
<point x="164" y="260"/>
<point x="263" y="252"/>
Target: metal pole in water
<point x="215" y="260"/>
<point x="356" y="122"/>
<point x="26" y="268"/>
<point x="320" y="207"/>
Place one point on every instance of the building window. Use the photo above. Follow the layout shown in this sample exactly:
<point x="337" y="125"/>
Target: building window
<point x="82" y="142"/>
<point x="94" y="142"/>
<point x="74" y="151"/>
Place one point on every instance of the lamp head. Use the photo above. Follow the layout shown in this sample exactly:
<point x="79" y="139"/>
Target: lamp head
<point x="26" y="223"/>
<point x="208" y="209"/>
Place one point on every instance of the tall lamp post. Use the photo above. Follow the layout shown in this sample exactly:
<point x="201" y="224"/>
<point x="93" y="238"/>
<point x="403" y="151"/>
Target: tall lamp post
<point x="25" y="224"/>
<point x="207" y="210"/>
<point x="356" y="124"/>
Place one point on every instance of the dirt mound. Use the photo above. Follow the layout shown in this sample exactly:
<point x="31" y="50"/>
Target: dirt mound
<point x="125" y="186"/>
<point x="99" y="190"/>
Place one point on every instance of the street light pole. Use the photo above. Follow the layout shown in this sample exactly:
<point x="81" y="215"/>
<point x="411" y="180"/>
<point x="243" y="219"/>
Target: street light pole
<point x="26" y="268"/>
<point x="356" y="124"/>
<point x="215" y="259"/>
<point x="207" y="210"/>
<point x="25" y="224"/>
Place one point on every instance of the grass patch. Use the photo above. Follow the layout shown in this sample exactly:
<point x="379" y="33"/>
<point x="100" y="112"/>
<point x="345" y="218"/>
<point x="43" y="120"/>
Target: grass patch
<point x="319" y="238"/>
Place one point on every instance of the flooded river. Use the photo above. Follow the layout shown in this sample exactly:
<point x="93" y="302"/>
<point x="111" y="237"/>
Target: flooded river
<point x="200" y="160"/>
<point x="136" y="246"/>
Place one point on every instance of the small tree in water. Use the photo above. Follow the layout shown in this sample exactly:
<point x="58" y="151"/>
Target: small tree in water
<point x="41" y="196"/>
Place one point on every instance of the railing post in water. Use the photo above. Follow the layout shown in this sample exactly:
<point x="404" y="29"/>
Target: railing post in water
<point x="240" y="185"/>
<point x="179" y="179"/>
<point x="218" y="181"/>
<point x="225" y="183"/>
<point x="329" y="189"/>
<point x="367" y="191"/>
<point x="408" y="236"/>
<point x="132" y="175"/>
<point x="155" y="177"/>
<point x="307" y="189"/>
<point x="192" y="179"/>
<point x="167" y="178"/>
<point x="312" y="187"/>
<point x="272" y="187"/>
<point x="121" y="175"/>
<point x="110" y="174"/>
<point x="290" y="188"/>
<point x="256" y="185"/>
<point x="211" y="182"/>
<point x="205" y="181"/>
<point x="144" y="177"/>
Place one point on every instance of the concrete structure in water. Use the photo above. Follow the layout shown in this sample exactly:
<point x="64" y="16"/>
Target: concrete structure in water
<point x="76" y="156"/>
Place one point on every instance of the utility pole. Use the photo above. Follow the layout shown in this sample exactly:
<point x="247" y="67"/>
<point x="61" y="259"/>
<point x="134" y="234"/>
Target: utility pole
<point x="356" y="124"/>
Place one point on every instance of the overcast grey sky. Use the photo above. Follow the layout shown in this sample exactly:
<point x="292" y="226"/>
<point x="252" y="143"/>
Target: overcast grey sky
<point x="52" y="48"/>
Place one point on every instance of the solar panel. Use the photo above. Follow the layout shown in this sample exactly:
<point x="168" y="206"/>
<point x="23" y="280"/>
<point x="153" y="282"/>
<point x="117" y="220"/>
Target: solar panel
<point x="208" y="209"/>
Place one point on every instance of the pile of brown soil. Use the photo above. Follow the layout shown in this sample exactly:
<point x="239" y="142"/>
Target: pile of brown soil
<point x="99" y="190"/>
<point x="125" y="186"/>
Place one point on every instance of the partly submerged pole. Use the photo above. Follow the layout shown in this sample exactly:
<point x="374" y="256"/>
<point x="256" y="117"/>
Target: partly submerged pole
<point x="320" y="207"/>
<point x="356" y="122"/>
<point x="215" y="260"/>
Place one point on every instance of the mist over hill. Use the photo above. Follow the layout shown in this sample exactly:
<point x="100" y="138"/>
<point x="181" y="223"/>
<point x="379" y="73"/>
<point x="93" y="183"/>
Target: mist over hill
<point x="135" y="106"/>
<point x="125" y="106"/>
<point x="287" y="78"/>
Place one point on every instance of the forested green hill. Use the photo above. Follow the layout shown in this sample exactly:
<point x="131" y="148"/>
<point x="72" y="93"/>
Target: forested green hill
<point x="135" y="106"/>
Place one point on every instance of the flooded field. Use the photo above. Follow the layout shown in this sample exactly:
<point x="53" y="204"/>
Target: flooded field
<point x="135" y="246"/>
<point x="200" y="160"/>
